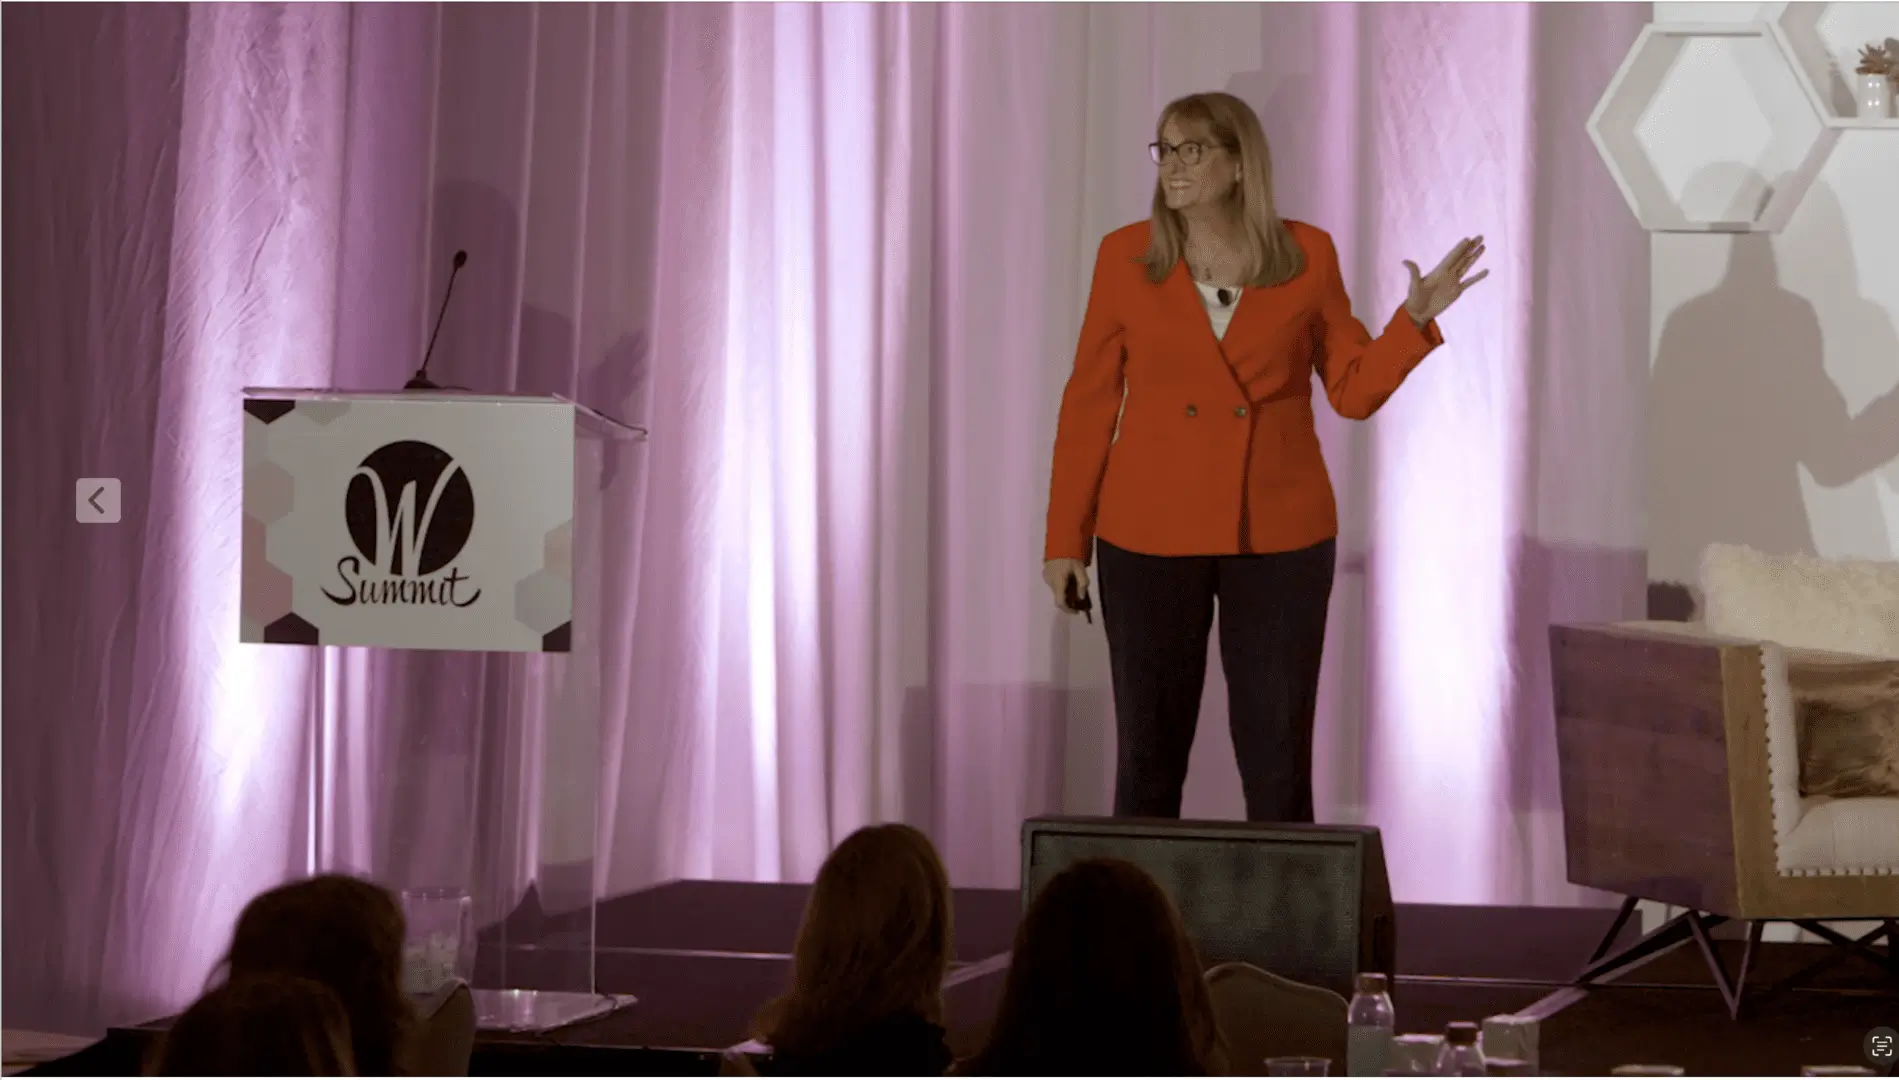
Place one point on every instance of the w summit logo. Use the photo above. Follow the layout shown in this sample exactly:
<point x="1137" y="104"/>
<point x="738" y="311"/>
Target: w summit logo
<point x="409" y="509"/>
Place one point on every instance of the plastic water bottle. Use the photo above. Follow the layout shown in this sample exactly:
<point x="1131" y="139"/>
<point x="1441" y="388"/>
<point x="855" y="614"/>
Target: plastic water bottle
<point x="1460" y="1056"/>
<point x="1370" y="1025"/>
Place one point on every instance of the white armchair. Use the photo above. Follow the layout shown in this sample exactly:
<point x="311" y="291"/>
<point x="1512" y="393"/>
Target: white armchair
<point x="1744" y="767"/>
<point x="1830" y="675"/>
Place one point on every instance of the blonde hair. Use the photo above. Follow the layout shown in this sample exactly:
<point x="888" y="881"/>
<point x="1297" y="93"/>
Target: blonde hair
<point x="1272" y="256"/>
<point x="874" y="943"/>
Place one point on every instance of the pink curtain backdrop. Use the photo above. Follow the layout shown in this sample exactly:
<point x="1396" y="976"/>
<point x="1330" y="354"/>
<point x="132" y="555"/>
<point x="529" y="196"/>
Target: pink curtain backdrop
<point x="834" y="257"/>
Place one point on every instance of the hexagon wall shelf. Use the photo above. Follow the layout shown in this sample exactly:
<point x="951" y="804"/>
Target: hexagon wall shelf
<point x="1823" y="41"/>
<point x="1739" y="132"/>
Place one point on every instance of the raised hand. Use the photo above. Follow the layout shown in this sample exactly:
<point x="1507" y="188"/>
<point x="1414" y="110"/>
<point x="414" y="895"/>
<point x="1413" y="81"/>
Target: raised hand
<point x="1433" y="293"/>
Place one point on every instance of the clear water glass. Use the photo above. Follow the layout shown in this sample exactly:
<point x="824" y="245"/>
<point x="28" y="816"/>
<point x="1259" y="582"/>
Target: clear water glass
<point x="1414" y="1055"/>
<point x="441" y="942"/>
<point x="1513" y="1038"/>
<point x="1298" y="1066"/>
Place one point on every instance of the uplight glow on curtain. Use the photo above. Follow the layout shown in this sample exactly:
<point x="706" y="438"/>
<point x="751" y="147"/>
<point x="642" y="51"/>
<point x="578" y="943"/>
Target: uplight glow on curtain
<point x="251" y="303"/>
<point x="1450" y="154"/>
<point x="755" y="315"/>
<point x="801" y="364"/>
<point x="850" y="50"/>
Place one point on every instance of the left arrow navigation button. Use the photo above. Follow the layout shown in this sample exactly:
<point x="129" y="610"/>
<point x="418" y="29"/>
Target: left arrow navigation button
<point x="96" y="500"/>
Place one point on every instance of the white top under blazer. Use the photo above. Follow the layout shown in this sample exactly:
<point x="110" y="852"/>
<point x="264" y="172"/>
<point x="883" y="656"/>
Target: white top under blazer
<point x="1217" y="313"/>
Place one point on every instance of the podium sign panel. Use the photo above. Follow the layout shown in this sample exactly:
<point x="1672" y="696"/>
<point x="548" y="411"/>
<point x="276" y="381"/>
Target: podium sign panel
<point x="467" y="531"/>
<point x="408" y="523"/>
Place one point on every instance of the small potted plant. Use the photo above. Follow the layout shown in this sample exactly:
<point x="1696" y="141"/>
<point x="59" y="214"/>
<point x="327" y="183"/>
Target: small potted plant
<point x="1874" y="91"/>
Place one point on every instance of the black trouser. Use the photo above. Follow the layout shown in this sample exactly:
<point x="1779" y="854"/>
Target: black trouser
<point x="1157" y="611"/>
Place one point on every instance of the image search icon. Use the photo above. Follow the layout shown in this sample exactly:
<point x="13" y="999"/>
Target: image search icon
<point x="1882" y="1046"/>
<point x="96" y="500"/>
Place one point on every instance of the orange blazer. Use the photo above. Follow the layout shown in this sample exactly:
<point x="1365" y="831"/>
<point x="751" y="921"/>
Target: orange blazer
<point x="1215" y="452"/>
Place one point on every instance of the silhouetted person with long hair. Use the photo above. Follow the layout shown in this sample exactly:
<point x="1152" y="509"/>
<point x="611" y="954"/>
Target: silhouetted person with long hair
<point x="270" y="1025"/>
<point x="866" y="994"/>
<point x="1741" y="402"/>
<point x="1104" y="982"/>
<point x="346" y="934"/>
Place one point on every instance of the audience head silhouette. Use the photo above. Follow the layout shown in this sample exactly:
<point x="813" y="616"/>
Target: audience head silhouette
<point x="346" y="934"/>
<point x="868" y="966"/>
<point x="269" y="1025"/>
<point x="1104" y="982"/>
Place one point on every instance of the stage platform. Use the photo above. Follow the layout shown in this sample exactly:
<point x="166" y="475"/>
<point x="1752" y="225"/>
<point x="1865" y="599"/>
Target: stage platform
<point x="703" y="956"/>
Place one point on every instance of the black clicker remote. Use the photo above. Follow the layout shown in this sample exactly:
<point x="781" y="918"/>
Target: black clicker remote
<point x="1078" y="602"/>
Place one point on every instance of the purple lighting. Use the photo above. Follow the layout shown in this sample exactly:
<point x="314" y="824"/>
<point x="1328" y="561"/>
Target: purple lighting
<point x="834" y="257"/>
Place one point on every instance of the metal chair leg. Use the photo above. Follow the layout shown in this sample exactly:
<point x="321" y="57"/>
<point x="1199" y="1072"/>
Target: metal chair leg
<point x="1664" y="938"/>
<point x="1845" y="948"/>
<point x="1732" y="987"/>
<point x="1615" y="928"/>
<point x="1696" y="926"/>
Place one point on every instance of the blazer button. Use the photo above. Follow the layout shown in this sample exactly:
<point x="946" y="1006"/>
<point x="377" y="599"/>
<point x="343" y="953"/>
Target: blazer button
<point x="1191" y="411"/>
<point x="1240" y="412"/>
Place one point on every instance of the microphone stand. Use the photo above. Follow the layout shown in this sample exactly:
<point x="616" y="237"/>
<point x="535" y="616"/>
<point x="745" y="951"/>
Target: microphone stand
<point x="421" y="381"/>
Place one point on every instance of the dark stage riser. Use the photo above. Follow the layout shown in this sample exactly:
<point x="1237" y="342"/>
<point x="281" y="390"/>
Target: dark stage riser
<point x="702" y="957"/>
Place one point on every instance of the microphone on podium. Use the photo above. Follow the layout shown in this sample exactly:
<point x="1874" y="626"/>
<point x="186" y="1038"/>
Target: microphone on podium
<point x="421" y="379"/>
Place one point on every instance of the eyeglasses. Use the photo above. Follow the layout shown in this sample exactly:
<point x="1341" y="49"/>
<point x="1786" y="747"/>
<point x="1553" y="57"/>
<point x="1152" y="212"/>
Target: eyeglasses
<point x="1189" y="153"/>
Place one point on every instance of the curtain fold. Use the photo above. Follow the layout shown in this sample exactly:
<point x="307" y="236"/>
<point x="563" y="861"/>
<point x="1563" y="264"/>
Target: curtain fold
<point x="833" y="256"/>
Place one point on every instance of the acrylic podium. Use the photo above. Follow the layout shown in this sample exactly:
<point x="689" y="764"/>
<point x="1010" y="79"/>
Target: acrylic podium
<point x="443" y="560"/>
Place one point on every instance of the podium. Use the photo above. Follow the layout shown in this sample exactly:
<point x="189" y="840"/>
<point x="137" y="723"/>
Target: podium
<point x="443" y="556"/>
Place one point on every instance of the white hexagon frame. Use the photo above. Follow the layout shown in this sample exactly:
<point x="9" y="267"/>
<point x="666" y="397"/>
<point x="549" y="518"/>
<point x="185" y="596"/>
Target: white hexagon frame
<point x="1818" y="62"/>
<point x="1643" y="74"/>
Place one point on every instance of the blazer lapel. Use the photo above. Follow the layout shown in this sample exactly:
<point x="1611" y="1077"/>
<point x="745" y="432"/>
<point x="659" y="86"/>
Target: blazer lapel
<point x="1182" y="299"/>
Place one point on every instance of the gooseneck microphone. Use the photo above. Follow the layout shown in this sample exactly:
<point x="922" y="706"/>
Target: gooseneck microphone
<point x="421" y="380"/>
